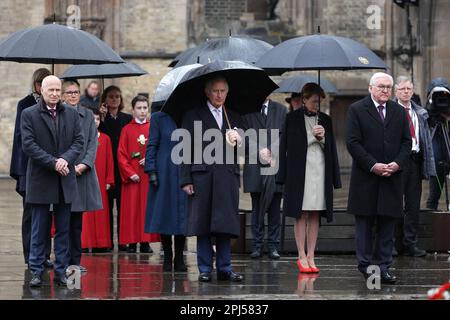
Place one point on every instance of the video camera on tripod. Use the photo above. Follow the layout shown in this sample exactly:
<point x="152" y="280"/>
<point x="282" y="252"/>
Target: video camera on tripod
<point x="438" y="104"/>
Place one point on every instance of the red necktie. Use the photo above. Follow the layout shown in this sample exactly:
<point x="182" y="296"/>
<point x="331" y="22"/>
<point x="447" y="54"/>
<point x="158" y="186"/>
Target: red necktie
<point x="411" y="124"/>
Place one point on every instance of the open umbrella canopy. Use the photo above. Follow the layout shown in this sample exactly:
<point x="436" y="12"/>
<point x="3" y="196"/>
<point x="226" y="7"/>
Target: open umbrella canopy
<point x="233" y="48"/>
<point x="168" y="83"/>
<point x="182" y="55"/>
<point x="296" y="83"/>
<point x="53" y="43"/>
<point x="248" y="85"/>
<point x="319" y="52"/>
<point x="109" y="70"/>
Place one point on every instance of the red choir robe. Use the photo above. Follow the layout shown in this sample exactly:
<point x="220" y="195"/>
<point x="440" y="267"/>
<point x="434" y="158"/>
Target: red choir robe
<point x="132" y="145"/>
<point x="96" y="225"/>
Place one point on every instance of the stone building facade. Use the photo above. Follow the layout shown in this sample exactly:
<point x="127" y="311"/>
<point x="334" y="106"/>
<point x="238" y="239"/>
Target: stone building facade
<point x="152" y="32"/>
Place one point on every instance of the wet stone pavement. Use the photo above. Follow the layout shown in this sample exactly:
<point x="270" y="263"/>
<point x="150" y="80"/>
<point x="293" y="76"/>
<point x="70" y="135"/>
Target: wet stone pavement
<point x="140" y="276"/>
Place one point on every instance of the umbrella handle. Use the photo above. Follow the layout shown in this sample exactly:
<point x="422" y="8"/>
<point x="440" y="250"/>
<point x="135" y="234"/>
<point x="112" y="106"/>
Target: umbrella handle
<point x="226" y="117"/>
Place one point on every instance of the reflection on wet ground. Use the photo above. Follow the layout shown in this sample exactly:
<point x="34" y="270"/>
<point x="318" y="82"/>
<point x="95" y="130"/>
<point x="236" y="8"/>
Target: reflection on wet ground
<point x="140" y="276"/>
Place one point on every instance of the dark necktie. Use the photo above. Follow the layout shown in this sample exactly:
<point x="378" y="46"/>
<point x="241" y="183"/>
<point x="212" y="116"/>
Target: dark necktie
<point x="380" y="111"/>
<point x="53" y="113"/>
<point x="263" y="112"/>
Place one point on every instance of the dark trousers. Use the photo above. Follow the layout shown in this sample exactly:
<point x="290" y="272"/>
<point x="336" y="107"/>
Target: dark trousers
<point x="273" y="222"/>
<point x="436" y="186"/>
<point x="366" y="254"/>
<point x="39" y="232"/>
<point x="412" y="191"/>
<point x="114" y="193"/>
<point x="76" y="224"/>
<point x="26" y="233"/>
<point x="205" y="253"/>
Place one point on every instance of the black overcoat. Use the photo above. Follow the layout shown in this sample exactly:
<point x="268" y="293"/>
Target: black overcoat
<point x="44" y="142"/>
<point x="293" y="148"/>
<point x="370" y="140"/>
<point x="276" y="116"/>
<point x="214" y="207"/>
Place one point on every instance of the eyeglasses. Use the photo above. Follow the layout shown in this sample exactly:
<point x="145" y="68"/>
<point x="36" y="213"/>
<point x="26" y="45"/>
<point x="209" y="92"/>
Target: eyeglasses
<point x="72" y="93"/>
<point x="382" y="88"/>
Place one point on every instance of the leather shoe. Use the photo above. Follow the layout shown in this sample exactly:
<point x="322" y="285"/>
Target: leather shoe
<point x="256" y="254"/>
<point x="204" y="277"/>
<point x="48" y="264"/>
<point x="144" y="247"/>
<point x="132" y="248"/>
<point x="415" y="252"/>
<point x="36" y="281"/>
<point x="388" y="278"/>
<point x="274" y="255"/>
<point x="60" y="280"/>
<point x="232" y="276"/>
<point x="122" y="248"/>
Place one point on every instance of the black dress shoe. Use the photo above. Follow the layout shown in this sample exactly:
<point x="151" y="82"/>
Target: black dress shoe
<point x="415" y="252"/>
<point x="232" y="276"/>
<point x="123" y="248"/>
<point x="204" y="277"/>
<point x="48" y="264"/>
<point x="388" y="278"/>
<point x="132" y="248"/>
<point x="60" y="280"/>
<point x="144" y="247"/>
<point x="36" y="281"/>
<point x="256" y="254"/>
<point x="274" y="255"/>
<point x="178" y="264"/>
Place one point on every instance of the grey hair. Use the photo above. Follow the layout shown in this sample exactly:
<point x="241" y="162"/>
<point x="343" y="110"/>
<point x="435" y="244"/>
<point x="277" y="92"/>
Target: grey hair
<point x="209" y="83"/>
<point x="378" y="75"/>
<point x="401" y="79"/>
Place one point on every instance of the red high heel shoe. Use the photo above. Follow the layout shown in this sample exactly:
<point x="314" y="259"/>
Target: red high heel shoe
<point x="301" y="268"/>
<point x="313" y="269"/>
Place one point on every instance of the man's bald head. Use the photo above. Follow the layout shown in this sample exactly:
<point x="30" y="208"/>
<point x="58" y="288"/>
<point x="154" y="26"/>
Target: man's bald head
<point x="51" y="90"/>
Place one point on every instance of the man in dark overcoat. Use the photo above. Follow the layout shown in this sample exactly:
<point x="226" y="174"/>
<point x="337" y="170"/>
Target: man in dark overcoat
<point x="52" y="140"/>
<point x="379" y="142"/>
<point x="19" y="161"/>
<point x="272" y="116"/>
<point x="213" y="187"/>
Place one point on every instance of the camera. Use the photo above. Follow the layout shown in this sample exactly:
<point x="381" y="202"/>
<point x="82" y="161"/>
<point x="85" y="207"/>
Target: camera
<point x="438" y="101"/>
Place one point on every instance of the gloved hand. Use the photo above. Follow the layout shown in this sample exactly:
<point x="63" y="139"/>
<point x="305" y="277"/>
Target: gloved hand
<point x="153" y="179"/>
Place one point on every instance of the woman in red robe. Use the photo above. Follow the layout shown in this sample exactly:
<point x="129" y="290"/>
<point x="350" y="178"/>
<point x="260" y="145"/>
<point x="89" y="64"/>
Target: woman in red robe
<point x="96" y="229"/>
<point x="131" y="159"/>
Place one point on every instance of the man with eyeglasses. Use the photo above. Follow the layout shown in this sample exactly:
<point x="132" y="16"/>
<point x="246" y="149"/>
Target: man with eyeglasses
<point x="19" y="161"/>
<point x="379" y="141"/>
<point x="420" y="165"/>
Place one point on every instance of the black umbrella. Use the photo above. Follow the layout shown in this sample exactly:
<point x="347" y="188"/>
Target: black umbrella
<point x="296" y="83"/>
<point x="249" y="86"/>
<point x="53" y="43"/>
<point x="319" y="52"/>
<point x="182" y="55"/>
<point x="105" y="71"/>
<point x="239" y="48"/>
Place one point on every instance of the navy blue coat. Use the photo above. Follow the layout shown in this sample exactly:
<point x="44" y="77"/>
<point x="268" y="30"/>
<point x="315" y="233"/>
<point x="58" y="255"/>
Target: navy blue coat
<point x="19" y="159"/>
<point x="166" y="204"/>
<point x="43" y="143"/>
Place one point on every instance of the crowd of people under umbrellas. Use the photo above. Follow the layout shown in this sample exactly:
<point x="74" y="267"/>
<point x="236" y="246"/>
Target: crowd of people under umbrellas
<point x="77" y="158"/>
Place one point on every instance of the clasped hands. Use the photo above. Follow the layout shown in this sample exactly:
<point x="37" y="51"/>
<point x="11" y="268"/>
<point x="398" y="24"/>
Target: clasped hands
<point x="385" y="170"/>
<point x="62" y="167"/>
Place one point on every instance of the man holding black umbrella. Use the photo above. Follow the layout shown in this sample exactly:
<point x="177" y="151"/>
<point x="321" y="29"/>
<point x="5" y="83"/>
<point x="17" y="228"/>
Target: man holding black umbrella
<point x="271" y="117"/>
<point x="213" y="187"/>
